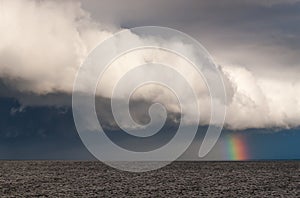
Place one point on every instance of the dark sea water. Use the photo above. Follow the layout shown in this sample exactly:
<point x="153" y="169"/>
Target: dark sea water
<point x="179" y="179"/>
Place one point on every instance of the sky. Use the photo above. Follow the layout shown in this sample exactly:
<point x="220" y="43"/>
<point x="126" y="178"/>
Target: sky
<point x="256" y="45"/>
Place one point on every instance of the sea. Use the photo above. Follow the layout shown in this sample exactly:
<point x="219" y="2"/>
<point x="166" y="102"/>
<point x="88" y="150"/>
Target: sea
<point x="178" y="179"/>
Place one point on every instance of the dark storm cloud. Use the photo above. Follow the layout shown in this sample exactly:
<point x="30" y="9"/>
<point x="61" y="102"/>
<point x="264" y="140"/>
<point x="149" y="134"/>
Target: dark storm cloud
<point x="31" y="131"/>
<point x="38" y="133"/>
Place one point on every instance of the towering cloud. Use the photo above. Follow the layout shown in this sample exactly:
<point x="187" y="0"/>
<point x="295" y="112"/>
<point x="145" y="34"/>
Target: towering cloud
<point x="43" y="43"/>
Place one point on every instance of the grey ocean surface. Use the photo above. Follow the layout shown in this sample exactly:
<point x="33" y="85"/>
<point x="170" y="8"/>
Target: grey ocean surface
<point x="179" y="179"/>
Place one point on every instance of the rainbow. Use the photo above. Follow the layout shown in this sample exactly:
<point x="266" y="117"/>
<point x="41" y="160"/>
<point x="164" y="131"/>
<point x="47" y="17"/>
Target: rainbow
<point x="236" y="148"/>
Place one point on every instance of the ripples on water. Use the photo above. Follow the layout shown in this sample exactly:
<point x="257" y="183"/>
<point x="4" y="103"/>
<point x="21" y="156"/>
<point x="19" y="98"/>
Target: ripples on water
<point x="180" y="179"/>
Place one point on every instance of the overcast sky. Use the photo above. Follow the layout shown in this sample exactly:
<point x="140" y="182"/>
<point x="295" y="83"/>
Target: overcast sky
<point x="255" y="43"/>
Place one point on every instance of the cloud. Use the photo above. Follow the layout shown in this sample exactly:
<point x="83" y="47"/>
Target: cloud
<point x="262" y="102"/>
<point x="43" y="43"/>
